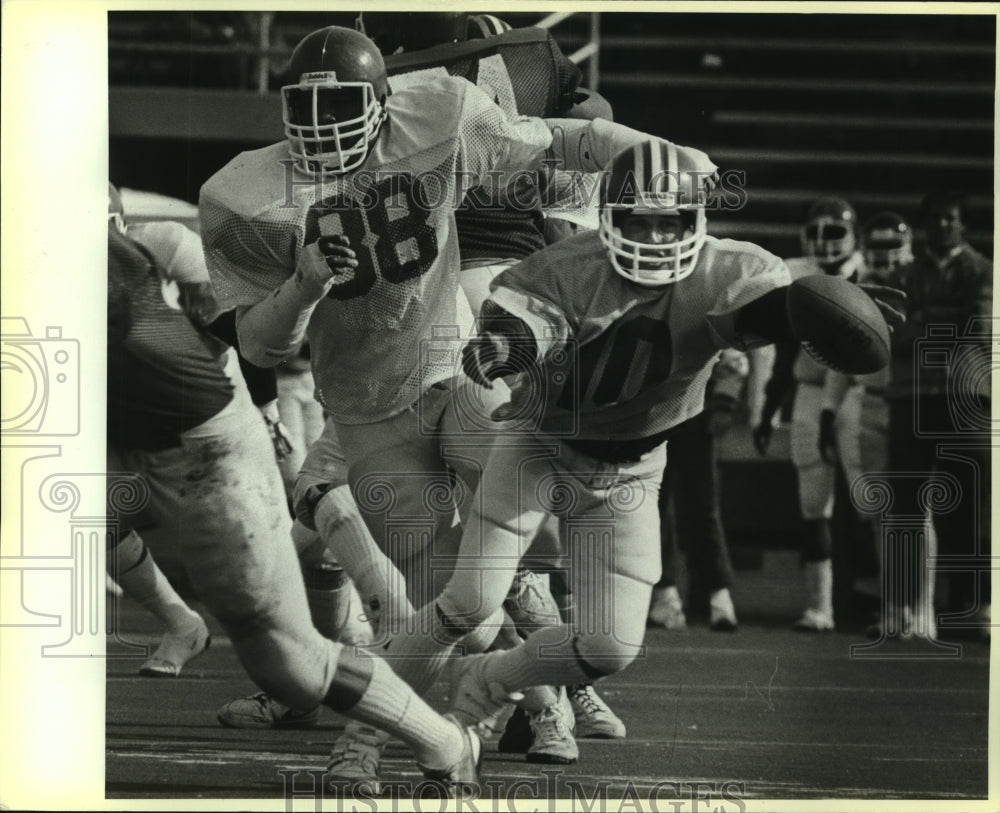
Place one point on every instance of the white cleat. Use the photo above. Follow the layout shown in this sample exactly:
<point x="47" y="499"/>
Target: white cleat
<point x="593" y="718"/>
<point x="814" y="621"/>
<point x="355" y="759"/>
<point x="461" y="779"/>
<point x="473" y="699"/>
<point x="666" y="609"/>
<point x="530" y="604"/>
<point x="721" y="613"/>
<point x="553" y="742"/>
<point x="175" y="650"/>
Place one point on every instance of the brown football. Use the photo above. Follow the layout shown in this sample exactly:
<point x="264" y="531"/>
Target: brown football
<point x="838" y="324"/>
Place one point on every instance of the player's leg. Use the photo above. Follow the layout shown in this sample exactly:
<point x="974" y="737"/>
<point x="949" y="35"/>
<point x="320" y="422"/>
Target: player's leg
<point x="613" y="563"/>
<point x="699" y="522"/>
<point x="666" y="608"/>
<point x="238" y="549"/>
<point x="505" y="515"/>
<point x="131" y="565"/>
<point x="816" y="489"/>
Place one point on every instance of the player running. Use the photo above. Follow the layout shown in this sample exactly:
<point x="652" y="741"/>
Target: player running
<point x="615" y="335"/>
<point x="181" y="417"/>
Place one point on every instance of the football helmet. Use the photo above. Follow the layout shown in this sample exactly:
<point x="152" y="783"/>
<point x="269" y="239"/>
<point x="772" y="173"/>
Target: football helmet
<point x="116" y="212"/>
<point x="333" y="113"/>
<point x="830" y="232"/>
<point x="654" y="178"/>
<point x="402" y="31"/>
<point x="482" y="26"/>
<point x="887" y="242"/>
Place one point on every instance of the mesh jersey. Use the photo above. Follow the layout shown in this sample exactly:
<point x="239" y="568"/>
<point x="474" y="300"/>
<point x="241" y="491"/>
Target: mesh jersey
<point x="370" y="338"/>
<point x="525" y="73"/>
<point x="806" y="369"/>
<point x="639" y="358"/>
<point x="164" y="374"/>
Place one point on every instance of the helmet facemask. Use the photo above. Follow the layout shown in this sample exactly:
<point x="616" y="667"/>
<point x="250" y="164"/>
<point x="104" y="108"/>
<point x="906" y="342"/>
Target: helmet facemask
<point x="330" y="125"/>
<point x="653" y="264"/>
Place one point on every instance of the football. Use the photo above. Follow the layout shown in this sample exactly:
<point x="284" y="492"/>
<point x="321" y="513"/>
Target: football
<point x="838" y="324"/>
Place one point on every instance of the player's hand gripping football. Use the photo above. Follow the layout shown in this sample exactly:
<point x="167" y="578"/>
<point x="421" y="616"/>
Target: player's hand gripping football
<point x="889" y="300"/>
<point x="320" y="264"/>
<point x="483" y="356"/>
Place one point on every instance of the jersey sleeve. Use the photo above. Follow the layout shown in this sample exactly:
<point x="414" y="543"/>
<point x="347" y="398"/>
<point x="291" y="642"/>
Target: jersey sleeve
<point x="489" y="140"/>
<point x="743" y="275"/>
<point x="243" y="266"/>
<point x="537" y="299"/>
<point x="177" y="248"/>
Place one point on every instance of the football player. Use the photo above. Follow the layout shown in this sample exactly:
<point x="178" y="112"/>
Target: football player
<point x="344" y="232"/>
<point x="483" y="236"/>
<point x="614" y="336"/>
<point x="526" y="73"/>
<point x="829" y="246"/>
<point x="132" y="567"/>
<point x="180" y="416"/>
<point x="887" y="245"/>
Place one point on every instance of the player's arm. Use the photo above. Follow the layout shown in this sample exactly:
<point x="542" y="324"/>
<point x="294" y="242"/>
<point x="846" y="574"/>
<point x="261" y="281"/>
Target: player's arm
<point x="517" y="329"/>
<point x="589" y="146"/>
<point x="274" y="329"/>
<point x="835" y="387"/>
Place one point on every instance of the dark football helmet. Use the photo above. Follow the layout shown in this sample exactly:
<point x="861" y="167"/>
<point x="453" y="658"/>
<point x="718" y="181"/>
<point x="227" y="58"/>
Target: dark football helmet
<point x="887" y="242"/>
<point x="333" y="111"/>
<point x="830" y="233"/>
<point x="654" y="178"/>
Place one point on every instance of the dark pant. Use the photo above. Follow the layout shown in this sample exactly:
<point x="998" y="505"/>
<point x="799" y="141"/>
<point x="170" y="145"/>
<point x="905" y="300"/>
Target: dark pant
<point x="690" y="497"/>
<point x="924" y="440"/>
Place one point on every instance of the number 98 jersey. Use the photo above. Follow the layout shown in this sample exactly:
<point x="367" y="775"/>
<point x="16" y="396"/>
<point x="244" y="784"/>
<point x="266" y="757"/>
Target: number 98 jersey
<point x="366" y="336"/>
<point x="624" y="361"/>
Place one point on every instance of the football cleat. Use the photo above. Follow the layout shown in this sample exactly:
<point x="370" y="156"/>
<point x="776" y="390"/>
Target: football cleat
<point x="593" y="718"/>
<point x="666" y="609"/>
<point x="263" y="711"/>
<point x="721" y="613"/>
<point x="473" y="698"/>
<point x="552" y="738"/>
<point x="530" y="604"/>
<point x="462" y="777"/>
<point x="355" y="758"/>
<point x="517" y="735"/>
<point x="175" y="650"/>
<point x="814" y="621"/>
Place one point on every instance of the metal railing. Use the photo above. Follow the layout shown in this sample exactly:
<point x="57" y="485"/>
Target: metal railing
<point x="590" y="51"/>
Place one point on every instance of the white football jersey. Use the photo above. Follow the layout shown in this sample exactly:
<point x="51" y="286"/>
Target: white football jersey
<point x="370" y="336"/>
<point x="621" y="360"/>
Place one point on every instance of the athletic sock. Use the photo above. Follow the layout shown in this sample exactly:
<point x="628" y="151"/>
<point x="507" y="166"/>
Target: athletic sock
<point x="366" y="689"/>
<point x="138" y="575"/>
<point x="379" y="582"/>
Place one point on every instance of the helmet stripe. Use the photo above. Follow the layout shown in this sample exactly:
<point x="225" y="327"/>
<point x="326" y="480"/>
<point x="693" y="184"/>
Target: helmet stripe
<point x="672" y="179"/>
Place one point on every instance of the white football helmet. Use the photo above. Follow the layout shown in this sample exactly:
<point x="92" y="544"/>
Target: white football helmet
<point x="653" y="178"/>
<point x="888" y="242"/>
<point x="830" y="232"/>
